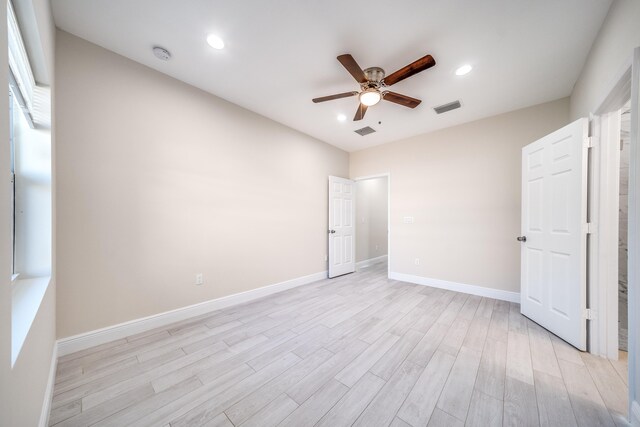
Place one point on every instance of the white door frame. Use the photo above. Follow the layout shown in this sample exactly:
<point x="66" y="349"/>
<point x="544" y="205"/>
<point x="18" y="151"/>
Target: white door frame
<point x="634" y="244"/>
<point x="388" y="176"/>
<point x="604" y="207"/>
<point x="604" y="203"/>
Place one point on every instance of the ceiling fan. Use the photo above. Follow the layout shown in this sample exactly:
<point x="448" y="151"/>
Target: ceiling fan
<point x="373" y="81"/>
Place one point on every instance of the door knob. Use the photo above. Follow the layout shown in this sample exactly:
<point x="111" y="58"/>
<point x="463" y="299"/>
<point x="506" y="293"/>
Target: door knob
<point x="521" y="238"/>
<point x="332" y="231"/>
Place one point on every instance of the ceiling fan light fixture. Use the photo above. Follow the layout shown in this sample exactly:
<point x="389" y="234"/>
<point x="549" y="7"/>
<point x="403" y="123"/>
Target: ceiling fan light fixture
<point x="370" y="97"/>
<point x="372" y="81"/>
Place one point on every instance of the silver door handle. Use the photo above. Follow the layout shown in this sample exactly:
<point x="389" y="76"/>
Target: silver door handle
<point x="332" y="231"/>
<point x="521" y="239"/>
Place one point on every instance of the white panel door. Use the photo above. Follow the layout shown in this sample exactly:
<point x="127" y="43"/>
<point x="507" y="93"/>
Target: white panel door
<point x="342" y="250"/>
<point x="554" y="213"/>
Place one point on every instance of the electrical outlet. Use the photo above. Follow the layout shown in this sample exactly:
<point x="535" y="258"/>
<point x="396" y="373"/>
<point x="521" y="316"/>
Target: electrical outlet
<point x="199" y="279"/>
<point x="408" y="220"/>
<point x="376" y="247"/>
<point x="417" y="261"/>
<point x="326" y="257"/>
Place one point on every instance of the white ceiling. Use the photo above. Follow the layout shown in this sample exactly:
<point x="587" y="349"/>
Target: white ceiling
<point x="282" y="53"/>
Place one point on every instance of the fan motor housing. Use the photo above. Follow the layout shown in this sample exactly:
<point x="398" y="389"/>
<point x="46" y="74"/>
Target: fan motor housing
<point x="374" y="74"/>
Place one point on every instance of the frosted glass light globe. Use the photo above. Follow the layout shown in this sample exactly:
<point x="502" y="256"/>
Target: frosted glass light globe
<point x="370" y="97"/>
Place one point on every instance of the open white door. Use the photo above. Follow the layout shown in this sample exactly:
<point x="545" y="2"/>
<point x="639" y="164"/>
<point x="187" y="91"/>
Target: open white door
<point x="342" y="248"/>
<point x="554" y="229"/>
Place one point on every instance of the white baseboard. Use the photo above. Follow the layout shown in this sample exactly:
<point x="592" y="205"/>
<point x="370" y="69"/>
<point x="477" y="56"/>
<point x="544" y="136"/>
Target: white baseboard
<point x="635" y="414"/>
<point x="111" y="333"/>
<point x="371" y="261"/>
<point x="48" y="393"/>
<point x="458" y="287"/>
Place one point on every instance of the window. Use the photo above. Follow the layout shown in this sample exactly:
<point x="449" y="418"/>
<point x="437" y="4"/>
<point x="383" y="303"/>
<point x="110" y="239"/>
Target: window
<point x="19" y="122"/>
<point x="21" y="91"/>
<point x="30" y="174"/>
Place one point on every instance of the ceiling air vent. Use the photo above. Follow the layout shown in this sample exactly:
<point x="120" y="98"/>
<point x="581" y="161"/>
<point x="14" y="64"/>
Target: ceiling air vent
<point x="365" y="131"/>
<point x="447" y="107"/>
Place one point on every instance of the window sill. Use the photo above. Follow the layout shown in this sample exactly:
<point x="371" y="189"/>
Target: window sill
<point x="27" y="295"/>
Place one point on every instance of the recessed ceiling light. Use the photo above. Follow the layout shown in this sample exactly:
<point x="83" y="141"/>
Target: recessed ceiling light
<point x="215" y="41"/>
<point x="463" y="70"/>
<point x="341" y="117"/>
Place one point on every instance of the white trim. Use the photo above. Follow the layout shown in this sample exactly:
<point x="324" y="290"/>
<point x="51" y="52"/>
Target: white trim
<point x="100" y="336"/>
<point x="371" y="261"/>
<point x="48" y="392"/>
<point x="604" y="330"/>
<point x="603" y="248"/>
<point x="604" y="200"/>
<point x="635" y="414"/>
<point x="618" y="90"/>
<point x="625" y="82"/>
<point x="26" y="298"/>
<point x="458" y="287"/>
<point x="379" y="175"/>
<point x="634" y="241"/>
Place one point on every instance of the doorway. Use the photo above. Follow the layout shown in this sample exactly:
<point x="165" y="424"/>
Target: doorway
<point x="372" y="221"/>
<point x="614" y="264"/>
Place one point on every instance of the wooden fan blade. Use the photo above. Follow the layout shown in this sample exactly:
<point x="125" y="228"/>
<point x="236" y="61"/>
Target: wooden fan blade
<point x="414" y="68"/>
<point x="362" y="109"/>
<point x="352" y="67"/>
<point x="404" y="100"/>
<point x="336" y="96"/>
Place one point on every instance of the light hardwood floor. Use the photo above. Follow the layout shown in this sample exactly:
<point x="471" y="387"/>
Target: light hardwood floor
<point x="358" y="350"/>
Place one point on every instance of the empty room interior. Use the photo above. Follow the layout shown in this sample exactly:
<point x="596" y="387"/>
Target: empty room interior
<point x="336" y="213"/>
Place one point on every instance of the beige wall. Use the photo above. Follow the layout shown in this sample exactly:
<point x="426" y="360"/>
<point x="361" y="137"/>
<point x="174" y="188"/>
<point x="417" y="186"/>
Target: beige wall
<point x="371" y="218"/>
<point x="158" y="181"/>
<point x="462" y="186"/>
<point x="611" y="51"/>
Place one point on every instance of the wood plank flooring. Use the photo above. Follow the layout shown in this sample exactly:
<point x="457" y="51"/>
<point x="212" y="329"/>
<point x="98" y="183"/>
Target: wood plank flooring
<point x="358" y="350"/>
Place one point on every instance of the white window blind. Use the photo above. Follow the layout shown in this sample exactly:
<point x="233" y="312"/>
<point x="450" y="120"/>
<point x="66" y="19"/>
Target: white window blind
<point x="21" y="78"/>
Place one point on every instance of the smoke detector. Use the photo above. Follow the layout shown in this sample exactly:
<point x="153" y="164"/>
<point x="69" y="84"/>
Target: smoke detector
<point x="161" y="53"/>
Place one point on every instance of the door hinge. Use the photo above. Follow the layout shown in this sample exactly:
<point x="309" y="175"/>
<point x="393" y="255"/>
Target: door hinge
<point x="590" y="141"/>
<point x="590" y="228"/>
<point x="589" y="314"/>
